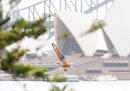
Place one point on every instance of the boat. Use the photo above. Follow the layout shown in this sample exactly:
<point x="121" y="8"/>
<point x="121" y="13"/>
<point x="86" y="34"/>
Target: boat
<point x="106" y="78"/>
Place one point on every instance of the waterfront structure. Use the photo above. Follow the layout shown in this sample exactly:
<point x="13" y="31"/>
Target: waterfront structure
<point x="115" y="34"/>
<point x="74" y="25"/>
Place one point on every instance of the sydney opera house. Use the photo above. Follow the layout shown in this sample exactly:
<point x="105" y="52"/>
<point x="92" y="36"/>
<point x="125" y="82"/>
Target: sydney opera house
<point x="109" y="46"/>
<point x="104" y="50"/>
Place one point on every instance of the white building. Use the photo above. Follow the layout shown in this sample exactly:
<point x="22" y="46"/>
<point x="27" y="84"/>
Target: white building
<point x="114" y="37"/>
<point x="74" y="25"/>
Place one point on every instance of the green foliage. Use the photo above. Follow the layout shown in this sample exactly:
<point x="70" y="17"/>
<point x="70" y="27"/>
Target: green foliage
<point x="9" y="37"/>
<point x="30" y="29"/>
<point x="4" y="21"/>
<point x="57" y="78"/>
<point x="45" y="77"/>
<point x="21" y="28"/>
<point x="95" y="26"/>
<point x="22" y="70"/>
<point x="39" y="73"/>
<point x="9" y="61"/>
<point x="66" y="34"/>
<point x="55" y="88"/>
<point x="18" y="30"/>
<point x="64" y="88"/>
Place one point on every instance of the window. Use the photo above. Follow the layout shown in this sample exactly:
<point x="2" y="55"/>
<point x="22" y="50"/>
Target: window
<point x="115" y="64"/>
<point x="119" y="70"/>
<point x="93" y="71"/>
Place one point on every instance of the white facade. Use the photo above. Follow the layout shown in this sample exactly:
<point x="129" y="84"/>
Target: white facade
<point x="116" y="35"/>
<point x="118" y="27"/>
<point x="76" y="23"/>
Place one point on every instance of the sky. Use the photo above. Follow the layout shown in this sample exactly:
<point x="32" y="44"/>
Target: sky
<point x="25" y="3"/>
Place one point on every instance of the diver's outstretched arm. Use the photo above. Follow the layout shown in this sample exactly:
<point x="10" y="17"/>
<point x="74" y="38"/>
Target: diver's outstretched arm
<point x="58" y="52"/>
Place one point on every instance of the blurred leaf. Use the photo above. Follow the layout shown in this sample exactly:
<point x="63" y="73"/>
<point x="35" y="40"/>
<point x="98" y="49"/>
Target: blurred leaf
<point x="4" y="21"/>
<point x="39" y="72"/>
<point x="30" y="29"/>
<point x="55" y="88"/>
<point x="57" y="78"/>
<point x="66" y="34"/>
<point x="17" y="32"/>
<point x="64" y="87"/>
<point x="95" y="26"/>
<point x="23" y="69"/>
<point x="8" y="61"/>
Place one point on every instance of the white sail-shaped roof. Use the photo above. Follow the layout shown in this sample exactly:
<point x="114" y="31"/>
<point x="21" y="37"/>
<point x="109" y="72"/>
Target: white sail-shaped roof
<point x="78" y="23"/>
<point x="101" y="43"/>
<point x="30" y="44"/>
<point x="118" y="26"/>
